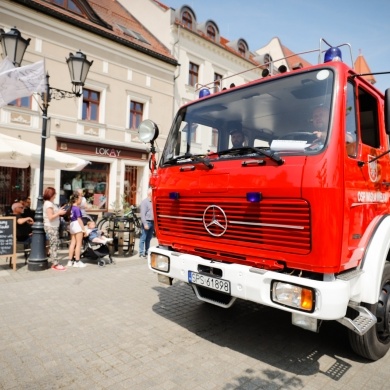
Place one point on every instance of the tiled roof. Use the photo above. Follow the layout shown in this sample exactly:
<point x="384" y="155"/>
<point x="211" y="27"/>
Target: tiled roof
<point x="362" y="67"/>
<point x="104" y="19"/>
<point x="223" y="43"/>
<point x="161" y="4"/>
<point x="293" y="60"/>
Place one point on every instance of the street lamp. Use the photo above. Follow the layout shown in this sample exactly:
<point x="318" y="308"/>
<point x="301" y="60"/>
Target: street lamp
<point x="78" y="69"/>
<point x="13" y="45"/>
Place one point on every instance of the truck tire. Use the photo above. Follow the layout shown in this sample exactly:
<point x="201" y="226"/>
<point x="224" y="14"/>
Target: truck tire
<point x="376" y="342"/>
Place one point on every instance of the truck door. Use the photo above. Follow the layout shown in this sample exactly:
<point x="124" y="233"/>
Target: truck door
<point x="365" y="138"/>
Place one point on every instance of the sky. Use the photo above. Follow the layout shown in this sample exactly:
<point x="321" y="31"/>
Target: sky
<point x="300" y="24"/>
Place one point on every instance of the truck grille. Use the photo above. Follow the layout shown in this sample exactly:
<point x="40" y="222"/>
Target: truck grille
<point x="281" y="225"/>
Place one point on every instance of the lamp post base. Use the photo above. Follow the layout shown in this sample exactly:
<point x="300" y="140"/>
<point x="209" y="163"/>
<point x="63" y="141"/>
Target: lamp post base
<point x="38" y="259"/>
<point x="38" y="265"/>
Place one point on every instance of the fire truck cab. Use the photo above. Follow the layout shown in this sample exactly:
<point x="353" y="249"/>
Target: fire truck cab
<point x="296" y="216"/>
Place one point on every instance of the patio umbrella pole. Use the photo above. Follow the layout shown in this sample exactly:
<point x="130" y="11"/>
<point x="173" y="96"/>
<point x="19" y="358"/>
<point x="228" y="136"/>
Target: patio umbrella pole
<point x="38" y="258"/>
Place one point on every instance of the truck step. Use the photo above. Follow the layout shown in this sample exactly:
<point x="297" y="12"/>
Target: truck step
<point x="362" y="323"/>
<point x="349" y="275"/>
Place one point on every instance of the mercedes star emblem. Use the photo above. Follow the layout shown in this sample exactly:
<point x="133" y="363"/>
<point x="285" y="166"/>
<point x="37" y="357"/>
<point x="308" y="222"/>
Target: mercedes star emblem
<point x="215" y="221"/>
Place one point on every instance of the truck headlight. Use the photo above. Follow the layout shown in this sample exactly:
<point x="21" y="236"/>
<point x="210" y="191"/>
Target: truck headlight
<point x="159" y="262"/>
<point x="292" y="295"/>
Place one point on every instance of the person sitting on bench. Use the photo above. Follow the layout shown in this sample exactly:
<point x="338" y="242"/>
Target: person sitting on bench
<point x="23" y="224"/>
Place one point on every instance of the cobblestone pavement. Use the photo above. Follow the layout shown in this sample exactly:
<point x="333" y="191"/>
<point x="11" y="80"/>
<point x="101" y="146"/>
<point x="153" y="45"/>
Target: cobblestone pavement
<point x="116" y="327"/>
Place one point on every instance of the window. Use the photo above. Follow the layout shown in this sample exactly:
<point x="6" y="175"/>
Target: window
<point x="187" y="20"/>
<point x="211" y="32"/>
<point x="24" y="102"/>
<point x="193" y="74"/>
<point x="70" y="5"/>
<point x="14" y="184"/>
<point x="217" y="82"/>
<point x="91" y="101"/>
<point x="136" y="114"/>
<point x="350" y="122"/>
<point x="193" y="129"/>
<point x="368" y="113"/>
<point x="214" y="137"/>
<point x="133" y="34"/>
<point x="94" y="181"/>
<point x="242" y="49"/>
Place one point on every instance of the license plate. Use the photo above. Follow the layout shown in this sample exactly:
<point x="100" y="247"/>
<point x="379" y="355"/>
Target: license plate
<point x="209" y="282"/>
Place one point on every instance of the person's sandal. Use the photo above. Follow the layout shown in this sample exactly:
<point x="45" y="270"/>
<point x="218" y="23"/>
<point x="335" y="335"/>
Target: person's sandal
<point x="58" y="267"/>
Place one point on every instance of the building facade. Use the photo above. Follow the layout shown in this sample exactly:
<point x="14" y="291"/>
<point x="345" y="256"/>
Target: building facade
<point x="205" y="58"/>
<point x="131" y="79"/>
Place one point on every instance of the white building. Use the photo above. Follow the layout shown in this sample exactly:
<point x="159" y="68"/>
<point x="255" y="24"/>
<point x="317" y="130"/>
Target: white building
<point x="131" y="79"/>
<point x="203" y="54"/>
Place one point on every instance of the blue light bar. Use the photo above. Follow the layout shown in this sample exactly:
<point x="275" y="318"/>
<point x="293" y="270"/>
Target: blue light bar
<point x="204" y="92"/>
<point x="333" y="54"/>
<point x="253" y="197"/>
<point x="174" y="195"/>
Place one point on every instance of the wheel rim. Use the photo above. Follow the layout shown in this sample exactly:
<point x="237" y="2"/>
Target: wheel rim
<point x="383" y="314"/>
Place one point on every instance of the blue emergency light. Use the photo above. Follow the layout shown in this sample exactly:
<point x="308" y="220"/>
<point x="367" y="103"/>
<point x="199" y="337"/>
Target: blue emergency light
<point x="333" y="54"/>
<point x="253" y="197"/>
<point x="204" y="92"/>
<point x="174" y="195"/>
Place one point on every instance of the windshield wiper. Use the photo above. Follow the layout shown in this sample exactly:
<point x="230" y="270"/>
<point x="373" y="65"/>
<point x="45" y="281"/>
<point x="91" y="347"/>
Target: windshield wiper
<point x="246" y="149"/>
<point x="191" y="158"/>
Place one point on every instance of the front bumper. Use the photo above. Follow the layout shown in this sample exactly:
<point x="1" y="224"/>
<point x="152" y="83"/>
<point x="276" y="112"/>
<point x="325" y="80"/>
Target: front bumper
<point x="254" y="284"/>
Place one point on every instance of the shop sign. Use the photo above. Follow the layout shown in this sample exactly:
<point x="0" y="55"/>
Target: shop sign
<point x="108" y="152"/>
<point x="91" y="149"/>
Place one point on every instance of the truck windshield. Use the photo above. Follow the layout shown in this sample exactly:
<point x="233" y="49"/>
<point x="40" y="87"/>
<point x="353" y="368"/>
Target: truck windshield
<point x="289" y="114"/>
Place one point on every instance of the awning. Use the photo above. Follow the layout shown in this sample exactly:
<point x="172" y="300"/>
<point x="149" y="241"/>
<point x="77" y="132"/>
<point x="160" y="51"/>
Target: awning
<point x="17" y="153"/>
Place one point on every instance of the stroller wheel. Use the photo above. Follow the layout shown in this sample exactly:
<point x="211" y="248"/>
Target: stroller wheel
<point x="101" y="263"/>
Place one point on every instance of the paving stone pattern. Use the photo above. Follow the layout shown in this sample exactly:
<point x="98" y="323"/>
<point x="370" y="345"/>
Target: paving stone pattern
<point x="116" y="327"/>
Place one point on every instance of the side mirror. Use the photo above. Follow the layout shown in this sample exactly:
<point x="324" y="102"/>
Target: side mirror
<point x="148" y="131"/>
<point x="387" y="110"/>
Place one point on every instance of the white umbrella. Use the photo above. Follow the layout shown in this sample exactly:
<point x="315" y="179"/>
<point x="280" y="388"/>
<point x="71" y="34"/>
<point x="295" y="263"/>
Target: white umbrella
<point x="17" y="153"/>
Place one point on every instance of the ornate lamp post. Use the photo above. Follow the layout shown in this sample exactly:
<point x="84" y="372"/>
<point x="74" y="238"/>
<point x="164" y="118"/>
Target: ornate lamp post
<point x="78" y="69"/>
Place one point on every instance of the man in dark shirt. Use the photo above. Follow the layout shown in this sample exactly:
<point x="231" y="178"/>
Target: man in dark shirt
<point x="26" y="202"/>
<point x="23" y="224"/>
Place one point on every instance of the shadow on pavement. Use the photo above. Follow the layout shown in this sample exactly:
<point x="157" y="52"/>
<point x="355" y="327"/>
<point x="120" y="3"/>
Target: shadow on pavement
<point x="262" y="333"/>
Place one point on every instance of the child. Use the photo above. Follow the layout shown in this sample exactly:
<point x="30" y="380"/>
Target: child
<point x="76" y="229"/>
<point x="94" y="235"/>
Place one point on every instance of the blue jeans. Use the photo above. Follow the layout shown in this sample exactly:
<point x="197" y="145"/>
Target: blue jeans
<point x="146" y="237"/>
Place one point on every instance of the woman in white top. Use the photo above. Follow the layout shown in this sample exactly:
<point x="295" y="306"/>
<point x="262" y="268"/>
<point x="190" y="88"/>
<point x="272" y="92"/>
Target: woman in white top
<point x="51" y="221"/>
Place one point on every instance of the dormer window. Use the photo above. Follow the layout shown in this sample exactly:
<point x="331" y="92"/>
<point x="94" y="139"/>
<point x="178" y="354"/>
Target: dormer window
<point x="211" y="32"/>
<point x="187" y="19"/>
<point x="69" y="5"/>
<point x="80" y="8"/>
<point x="133" y="34"/>
<point x="242" y="49"/>
<point x="240" y="46"/>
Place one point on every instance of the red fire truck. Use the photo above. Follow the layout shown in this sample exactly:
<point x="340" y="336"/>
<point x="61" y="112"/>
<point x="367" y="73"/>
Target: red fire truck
<point x="296" y="215"/>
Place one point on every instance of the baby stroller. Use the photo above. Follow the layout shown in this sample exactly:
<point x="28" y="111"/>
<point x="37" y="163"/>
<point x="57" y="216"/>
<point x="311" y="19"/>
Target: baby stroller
<point x="95" y="251"/>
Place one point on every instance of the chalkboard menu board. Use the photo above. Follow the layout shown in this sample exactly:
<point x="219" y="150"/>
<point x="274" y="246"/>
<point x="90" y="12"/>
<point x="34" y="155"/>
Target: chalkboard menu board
<point x="7" y="236"/>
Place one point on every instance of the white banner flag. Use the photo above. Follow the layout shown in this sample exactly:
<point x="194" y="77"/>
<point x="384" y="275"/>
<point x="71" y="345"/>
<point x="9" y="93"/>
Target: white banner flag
<point x="20" y="82"/>
<point x="6" y="64"/>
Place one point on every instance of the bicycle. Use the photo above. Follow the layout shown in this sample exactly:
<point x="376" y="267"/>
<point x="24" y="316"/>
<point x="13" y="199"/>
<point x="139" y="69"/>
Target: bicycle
<point x="104" y="223"/>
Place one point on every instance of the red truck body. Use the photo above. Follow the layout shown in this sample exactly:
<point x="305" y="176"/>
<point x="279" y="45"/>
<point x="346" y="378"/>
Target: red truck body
<point x="288" y="217"/>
